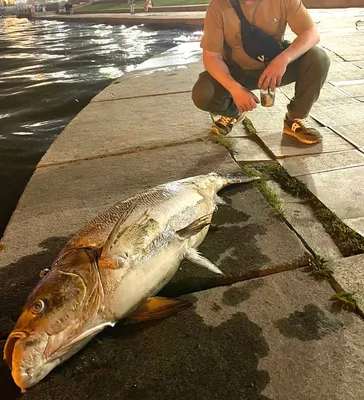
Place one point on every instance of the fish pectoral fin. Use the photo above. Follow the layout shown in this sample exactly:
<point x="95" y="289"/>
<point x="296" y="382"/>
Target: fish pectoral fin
<point x="130" y="239"/>
<point x="194" y="256"/>
<point x="219" y="201"/>
<point x="195" y="227"/>
<point x="107" y="263"/>
<point x="156" y="308"/>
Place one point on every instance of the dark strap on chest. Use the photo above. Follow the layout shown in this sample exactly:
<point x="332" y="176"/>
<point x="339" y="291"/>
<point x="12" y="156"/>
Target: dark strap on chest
<point x="239" y="11"/>
<point x="256" y="42"/>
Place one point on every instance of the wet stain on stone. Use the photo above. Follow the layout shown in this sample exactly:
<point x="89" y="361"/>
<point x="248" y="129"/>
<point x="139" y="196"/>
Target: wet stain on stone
<point x="216" y="307"/>
<point x="310" y="324"/>
<point x="179" y="357"/>
<point x="237" y="294"/>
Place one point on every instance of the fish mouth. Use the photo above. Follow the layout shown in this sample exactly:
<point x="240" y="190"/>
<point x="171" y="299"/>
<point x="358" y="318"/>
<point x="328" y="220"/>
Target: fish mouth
<point x="21" y="361"/>
<point x="10" y="345"/>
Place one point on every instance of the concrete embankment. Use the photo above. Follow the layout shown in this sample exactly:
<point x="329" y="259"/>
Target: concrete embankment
<point x="191" y="20"/>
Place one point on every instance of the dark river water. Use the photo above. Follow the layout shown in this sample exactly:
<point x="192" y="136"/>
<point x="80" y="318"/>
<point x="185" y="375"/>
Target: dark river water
<point x="48" y="72"/>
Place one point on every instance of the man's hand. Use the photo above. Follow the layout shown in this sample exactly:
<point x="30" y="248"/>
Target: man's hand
<point x="215" y="65"/>
<point x="244" y="99"/>
<point x="272" y="75"/>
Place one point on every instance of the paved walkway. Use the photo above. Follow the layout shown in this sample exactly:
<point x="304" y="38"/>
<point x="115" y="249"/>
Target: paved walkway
<point x="275" y="335"/>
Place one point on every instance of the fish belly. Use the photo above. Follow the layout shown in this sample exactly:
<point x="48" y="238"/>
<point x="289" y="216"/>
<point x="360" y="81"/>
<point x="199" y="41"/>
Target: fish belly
<point x="145" y="280"/>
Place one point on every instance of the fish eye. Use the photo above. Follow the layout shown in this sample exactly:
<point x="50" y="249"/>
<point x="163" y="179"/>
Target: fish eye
<point x="38" y="306"/>
<point x="44" y="272"/>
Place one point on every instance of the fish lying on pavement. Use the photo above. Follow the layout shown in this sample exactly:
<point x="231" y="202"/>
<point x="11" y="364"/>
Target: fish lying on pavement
<point x="111" y="269"/>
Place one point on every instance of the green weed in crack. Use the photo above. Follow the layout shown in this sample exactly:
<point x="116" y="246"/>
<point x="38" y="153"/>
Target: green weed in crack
<point x="319" y="267"/>
<point x="348" y="241"/>
<point x="220" y="139"/>
<point x="269" y="194"/>
<point x="346" y="300"/>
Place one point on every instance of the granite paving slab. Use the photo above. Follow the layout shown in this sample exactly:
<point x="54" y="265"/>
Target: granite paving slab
<point x="354" y="56"/>
<point x="334" y="58"/>
<point x="119" y="126"/>
<point x="265" y="119"/>
<point x="353" y="90"/>
<point x="309" y="164"/>
<point x="341" y="190"/>
<point x="330" y="96"/>
<point x="303" y="219"/>
<point x="271" y="338"/>
<point x="176" y="79"/>
<point x="349" y="82"/>
<point x="283" y="145"/>
<point x="288" y="89"/>
<point x="238" y="130"/>
<point x="349" y="275"/>
<point x="360" y="64"/>
<point x="246" y="149"/>
<point x="354" y="132"/>
<point x="301" y="216"/>
<point x="357" y="224"/>
<point x="343" y="71"/>
<point x="304" y="358"/>
<point x="282" y="194"/>
<point x="348" y="46"/>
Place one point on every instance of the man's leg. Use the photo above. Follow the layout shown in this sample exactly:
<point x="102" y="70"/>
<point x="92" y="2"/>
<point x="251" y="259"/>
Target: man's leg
<point x="309" y="72"/>
<point x="209" y="95"/>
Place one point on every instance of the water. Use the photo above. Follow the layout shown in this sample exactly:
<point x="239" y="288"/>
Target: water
<point x="48" y="72"/>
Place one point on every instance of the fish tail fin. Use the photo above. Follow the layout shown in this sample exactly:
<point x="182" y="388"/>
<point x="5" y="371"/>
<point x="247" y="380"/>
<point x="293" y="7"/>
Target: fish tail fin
<point x="236" y="178"/>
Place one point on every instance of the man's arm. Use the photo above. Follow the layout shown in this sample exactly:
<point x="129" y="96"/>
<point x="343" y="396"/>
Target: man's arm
<point x="273" y="74"/>
<point x="216" y="67"/>
<point x="212" y="44"/>
<point x="303" y="42"/>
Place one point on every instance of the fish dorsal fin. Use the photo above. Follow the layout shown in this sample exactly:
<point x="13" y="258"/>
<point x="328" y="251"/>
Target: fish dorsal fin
<point x="124" y="242"/>
<point x="93" y="234"/>
<point x="156" y="308"/>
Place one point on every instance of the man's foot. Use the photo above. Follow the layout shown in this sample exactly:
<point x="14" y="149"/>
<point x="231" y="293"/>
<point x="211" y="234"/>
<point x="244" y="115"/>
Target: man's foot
<point x="224" y="125"/>
<point x="301" y="130"/>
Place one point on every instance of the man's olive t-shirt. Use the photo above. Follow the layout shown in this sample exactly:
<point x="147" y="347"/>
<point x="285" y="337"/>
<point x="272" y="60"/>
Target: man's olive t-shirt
<point x="222" y="26"/>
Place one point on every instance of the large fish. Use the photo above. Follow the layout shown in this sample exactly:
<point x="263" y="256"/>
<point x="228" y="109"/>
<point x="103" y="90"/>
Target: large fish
<point x="110" y="270"/>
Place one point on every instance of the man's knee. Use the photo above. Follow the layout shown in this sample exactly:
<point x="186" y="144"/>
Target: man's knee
<point x="318" y="59"/>
<point x="202" y="94"/>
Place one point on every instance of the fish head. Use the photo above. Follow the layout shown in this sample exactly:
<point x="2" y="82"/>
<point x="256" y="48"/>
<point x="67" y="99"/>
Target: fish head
<point x="59" y="317"/>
